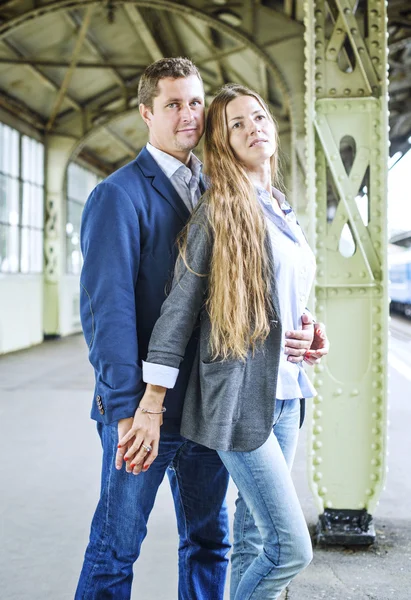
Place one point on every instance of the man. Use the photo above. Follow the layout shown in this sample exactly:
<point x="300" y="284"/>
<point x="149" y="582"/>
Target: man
<point x="129" y="227"/>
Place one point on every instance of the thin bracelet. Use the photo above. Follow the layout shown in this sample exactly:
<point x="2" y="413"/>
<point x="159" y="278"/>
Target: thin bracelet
<point x="152" y="412"/>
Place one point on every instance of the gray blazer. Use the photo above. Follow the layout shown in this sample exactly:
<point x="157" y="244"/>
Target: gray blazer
<point x="229" y="405"/>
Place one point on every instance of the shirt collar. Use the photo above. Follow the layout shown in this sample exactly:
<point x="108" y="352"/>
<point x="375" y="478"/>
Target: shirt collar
<point x="170" y="165"/>
<point x="195" y="166"/>
<point x="264" y="196"/>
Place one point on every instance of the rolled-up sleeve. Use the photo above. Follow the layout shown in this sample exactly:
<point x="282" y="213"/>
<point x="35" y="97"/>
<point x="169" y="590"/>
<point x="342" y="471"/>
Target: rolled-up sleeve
<point x="159" y="374"/>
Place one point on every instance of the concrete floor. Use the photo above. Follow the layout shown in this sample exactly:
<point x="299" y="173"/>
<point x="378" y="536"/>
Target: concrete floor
<point x="49" y="480"/>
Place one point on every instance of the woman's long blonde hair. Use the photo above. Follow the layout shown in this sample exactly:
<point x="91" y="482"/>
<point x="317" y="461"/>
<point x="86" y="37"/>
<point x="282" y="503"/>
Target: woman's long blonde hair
<point x="239" y="297"/>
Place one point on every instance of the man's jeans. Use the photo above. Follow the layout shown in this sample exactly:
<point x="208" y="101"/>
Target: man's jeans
<point x="271" y="540"/>
<point x="199" y="483"/>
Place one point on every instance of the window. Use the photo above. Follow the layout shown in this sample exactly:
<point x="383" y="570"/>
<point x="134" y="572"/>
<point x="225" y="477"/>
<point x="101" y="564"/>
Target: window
<point x="21" y="202"/>
<point x="32" y="216"/>
<point x="80" y="182"/>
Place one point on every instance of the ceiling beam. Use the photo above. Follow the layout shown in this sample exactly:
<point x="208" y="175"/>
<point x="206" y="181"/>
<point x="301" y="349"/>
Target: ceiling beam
<point x="172" y="42"/>
<point x="45" y="79"/>
<point x="19" y="109"/>
<point x="398" y="85"/>
<point x="399" y="44"/>
<point x="403" y="117"/>
<point x="39" y="62"/>
<point x="74" y="19"/>
<point x="123" y="161"/>
<point x="130" y="151"/>
<point x="289" y="7"/>
<point x="198" y="60"/>
<point x="217" y="55"/>
<point x="70" y="71"/>
<point x="279" y="112"/>
<point x="99" y="102"/>
<point x="208" y="43"/>
<point x="263" y="80"/>
<point x="143" y="31"/>
<point x="90" y="159"/>
<point x="8" y="4"/>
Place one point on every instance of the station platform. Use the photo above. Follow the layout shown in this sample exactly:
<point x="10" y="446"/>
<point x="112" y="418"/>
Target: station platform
<point x="50" y="472"/>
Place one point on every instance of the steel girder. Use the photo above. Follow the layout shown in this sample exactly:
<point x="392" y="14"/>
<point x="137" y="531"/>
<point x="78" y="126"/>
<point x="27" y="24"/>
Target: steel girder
<point x="347" y="152"/>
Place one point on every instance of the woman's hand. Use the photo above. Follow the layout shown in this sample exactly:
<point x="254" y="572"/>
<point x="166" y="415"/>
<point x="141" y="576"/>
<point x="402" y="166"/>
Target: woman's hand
<point x="143" y="435"/>
<point x="320" y="346"/>
<point x="297" y="342"/>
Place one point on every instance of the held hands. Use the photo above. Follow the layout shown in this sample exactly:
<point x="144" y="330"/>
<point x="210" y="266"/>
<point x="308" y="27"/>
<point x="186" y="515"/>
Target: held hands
<point x="320" y="346"/>
<point x="298" y="342"/>
<point x="309" y="343"/>
<point x="139" y="436"/>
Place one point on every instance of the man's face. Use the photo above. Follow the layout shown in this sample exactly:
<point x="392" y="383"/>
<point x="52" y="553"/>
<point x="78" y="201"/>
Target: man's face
<point x="176" y="122"/>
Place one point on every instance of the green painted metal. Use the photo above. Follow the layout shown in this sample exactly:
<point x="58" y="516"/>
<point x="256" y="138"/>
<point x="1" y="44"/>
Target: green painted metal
<point x="58" y="151"/>
<point x="347" y="149"/>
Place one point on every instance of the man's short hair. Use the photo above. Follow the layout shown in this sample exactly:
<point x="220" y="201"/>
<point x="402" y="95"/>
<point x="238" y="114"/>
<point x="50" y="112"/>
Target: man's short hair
<point x="165" y="67"/>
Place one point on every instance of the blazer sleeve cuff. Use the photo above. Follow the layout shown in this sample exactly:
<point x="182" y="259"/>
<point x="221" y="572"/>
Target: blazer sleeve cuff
<point x="159" y="374"/>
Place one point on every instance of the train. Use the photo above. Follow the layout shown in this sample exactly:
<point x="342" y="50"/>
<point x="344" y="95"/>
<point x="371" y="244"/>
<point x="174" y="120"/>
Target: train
<point x="399" y="269"/>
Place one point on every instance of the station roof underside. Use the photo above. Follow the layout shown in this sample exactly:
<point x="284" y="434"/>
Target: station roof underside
<point x="73" y="67"/>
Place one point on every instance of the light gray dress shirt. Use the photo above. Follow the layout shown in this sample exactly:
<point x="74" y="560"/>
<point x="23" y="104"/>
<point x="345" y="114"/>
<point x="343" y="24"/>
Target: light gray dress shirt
<point x="294" y="267"/>
<point x="186" y="182"/>
<point x="185" y="179"/>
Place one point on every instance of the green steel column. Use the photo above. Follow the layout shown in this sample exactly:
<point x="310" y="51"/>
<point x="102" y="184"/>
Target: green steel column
<point x="347" y="151"/>
<point x="58" y="151"/>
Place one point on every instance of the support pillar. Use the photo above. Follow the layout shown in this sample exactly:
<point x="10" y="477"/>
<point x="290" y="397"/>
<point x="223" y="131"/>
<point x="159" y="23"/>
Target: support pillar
<point x="58" y="149"/>
<point x="347" y="152"/>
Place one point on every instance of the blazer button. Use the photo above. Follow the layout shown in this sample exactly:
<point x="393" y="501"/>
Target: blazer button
<point x="100" y="404"/>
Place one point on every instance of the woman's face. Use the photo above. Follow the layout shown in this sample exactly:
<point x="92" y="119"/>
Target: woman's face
<point x="251" y="133"/>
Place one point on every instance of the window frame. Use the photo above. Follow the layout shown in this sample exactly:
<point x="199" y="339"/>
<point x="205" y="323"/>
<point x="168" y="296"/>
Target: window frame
<point x="21" y="184"/>
<point x="78" y="201"/>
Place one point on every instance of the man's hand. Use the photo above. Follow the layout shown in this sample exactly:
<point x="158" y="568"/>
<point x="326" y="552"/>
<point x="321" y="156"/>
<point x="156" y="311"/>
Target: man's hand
<point x="138" y="446"/>
<point x="319" y="347"/>
<point x="297" y="342"/>
<point x="123" y="427"/>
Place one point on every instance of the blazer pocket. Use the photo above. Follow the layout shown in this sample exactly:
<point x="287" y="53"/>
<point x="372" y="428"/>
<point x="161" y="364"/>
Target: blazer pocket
<point x="220" y="384"/>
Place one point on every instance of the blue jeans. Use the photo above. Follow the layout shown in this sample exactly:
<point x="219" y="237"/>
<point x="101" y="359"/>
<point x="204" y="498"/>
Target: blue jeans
<point x="199" y="483"/>
<point x="271" y="540"/>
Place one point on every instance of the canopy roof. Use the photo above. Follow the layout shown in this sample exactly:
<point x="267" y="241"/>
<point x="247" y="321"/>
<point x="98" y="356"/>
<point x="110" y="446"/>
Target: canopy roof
<point x="73" y="67"/>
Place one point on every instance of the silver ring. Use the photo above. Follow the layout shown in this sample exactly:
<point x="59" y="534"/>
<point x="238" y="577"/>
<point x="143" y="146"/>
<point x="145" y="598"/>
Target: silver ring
<point x="147" y="448"/>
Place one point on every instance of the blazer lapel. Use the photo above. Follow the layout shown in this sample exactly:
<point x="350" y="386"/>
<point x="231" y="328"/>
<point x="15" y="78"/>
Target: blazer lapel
<point x="202" y="184"/>
<point x="161" y="183"/>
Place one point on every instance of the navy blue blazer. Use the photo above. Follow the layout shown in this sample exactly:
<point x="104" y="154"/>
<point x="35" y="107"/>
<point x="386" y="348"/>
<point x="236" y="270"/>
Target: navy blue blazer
<point x="129" y="226"/>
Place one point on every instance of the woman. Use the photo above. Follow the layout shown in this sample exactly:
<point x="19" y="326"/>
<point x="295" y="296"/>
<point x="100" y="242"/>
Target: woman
<point x="243" y="262"/>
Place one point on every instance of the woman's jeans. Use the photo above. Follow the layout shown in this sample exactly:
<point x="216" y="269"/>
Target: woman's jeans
<point x="271" y="540"/>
